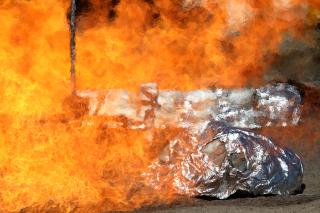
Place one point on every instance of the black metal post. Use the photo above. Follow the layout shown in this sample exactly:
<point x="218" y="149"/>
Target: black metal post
<point x="73" y="8"/>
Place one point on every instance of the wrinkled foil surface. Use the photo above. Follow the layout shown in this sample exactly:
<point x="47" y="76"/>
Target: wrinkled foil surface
<point x="272" y="105"/>
<point x="220" y="160"/>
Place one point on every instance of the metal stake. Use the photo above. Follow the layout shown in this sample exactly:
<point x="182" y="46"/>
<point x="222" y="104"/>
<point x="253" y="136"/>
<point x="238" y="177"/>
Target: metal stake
<point x="73" y="45"/>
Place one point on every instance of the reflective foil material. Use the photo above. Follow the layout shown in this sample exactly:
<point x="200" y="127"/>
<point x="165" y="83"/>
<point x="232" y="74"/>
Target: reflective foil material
<point x="220" y="160"/>
<point x="279" y="103"/>
<point x="271" y="105"/>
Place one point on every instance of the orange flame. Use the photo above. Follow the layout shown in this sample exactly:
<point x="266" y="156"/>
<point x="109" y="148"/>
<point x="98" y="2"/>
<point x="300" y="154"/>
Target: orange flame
<point x="48" y="160"/>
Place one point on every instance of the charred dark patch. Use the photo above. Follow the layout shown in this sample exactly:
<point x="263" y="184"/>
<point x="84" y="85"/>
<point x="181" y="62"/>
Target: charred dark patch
<point x="153" y="19"/>
<point x="227" y="46"/>
<point x="112" y="14"/>
<point x="83" y="6"/>
<point x="155" y="16"/>
<point x="151" y="2"/>
<point x="318" y="27"/>
<point x="115" y="2"/>
<point x="111" y="11"/>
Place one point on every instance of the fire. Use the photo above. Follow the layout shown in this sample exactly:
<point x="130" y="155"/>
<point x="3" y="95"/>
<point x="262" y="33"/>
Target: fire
<point x="227" y="40"/>
<point x="52" y="158"/>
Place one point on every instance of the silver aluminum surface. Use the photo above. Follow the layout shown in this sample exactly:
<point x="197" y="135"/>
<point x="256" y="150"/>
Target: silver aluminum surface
<point x="271" y="105"/>
<point x="221" y="160"/>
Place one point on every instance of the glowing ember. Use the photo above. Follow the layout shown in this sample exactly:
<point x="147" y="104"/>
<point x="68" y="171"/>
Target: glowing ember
<point x="51" y="157"/>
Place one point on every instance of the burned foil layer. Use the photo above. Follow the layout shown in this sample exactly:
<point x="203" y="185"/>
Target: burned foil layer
<point x="271" y="105"/>
<point x="222" y="160"/>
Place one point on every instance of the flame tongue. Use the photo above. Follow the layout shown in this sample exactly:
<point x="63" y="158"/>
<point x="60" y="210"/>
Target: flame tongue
<point x="229" y="42"/>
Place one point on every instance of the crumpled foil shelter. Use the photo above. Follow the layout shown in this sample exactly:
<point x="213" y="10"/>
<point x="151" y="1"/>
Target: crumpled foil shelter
<point x="220" y="160"/>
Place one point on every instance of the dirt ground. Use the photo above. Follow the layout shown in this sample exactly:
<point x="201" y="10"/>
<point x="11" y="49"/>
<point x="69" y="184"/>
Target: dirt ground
<point x="305" y="141"/>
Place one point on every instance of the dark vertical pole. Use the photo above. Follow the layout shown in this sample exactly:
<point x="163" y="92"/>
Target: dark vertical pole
<point x="73" y="45"/>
